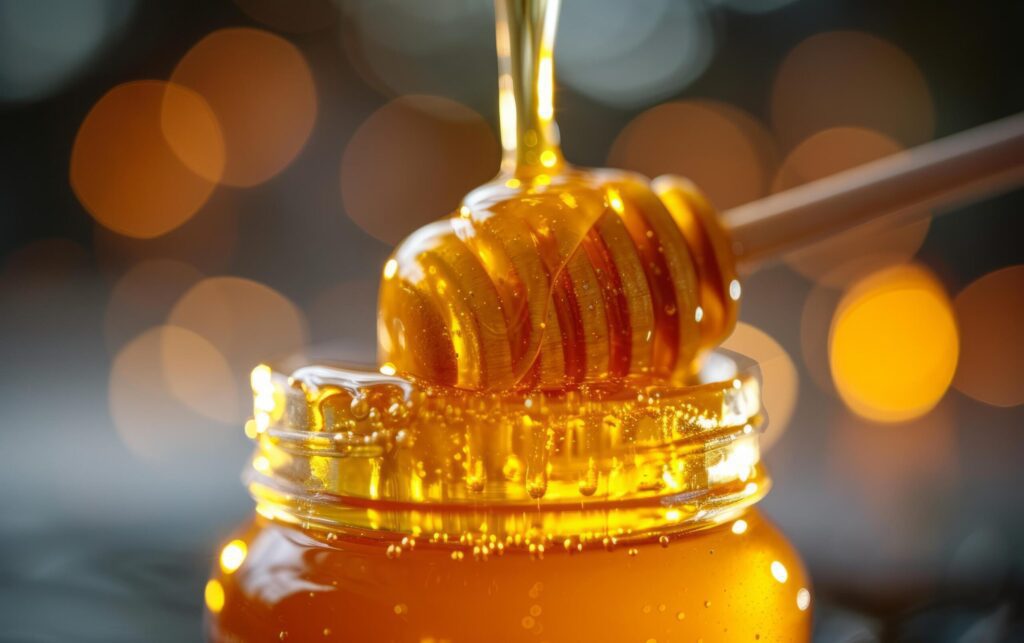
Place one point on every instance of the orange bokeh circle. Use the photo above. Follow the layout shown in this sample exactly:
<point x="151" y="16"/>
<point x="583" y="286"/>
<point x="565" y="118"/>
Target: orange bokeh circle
<point x="124" y="172"/>
<point x="726" y="152"/>
<point x="851" y="78"/>
<point x="261" y="89"/>
<point x="893" y="344"/>
<point x="990" y="312"/>
<point x="412" y="161"/>
<point x="849" y="255"/>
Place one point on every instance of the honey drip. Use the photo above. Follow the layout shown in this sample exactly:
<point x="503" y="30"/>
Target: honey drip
<point x="550" y="276"/>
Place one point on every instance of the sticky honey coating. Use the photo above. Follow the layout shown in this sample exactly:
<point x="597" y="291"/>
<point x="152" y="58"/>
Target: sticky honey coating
<point x="559" y="280"/>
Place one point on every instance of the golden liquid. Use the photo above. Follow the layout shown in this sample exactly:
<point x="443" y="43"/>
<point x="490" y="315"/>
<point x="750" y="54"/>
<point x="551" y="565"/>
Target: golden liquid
<point x="711" y="585"/>
<point x="552" y="276"/>
<point x="543" y="457"/>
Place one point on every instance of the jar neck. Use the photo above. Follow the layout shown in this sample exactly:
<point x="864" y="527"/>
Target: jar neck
<point x="348" y="451"/>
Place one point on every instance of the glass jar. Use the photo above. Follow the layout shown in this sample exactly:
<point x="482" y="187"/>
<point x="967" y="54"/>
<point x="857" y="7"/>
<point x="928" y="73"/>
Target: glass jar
<point x="389" y="512"/>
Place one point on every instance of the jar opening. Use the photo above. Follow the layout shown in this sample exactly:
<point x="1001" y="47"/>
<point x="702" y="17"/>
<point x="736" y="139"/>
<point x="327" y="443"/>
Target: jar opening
<point x="343" y="449"/>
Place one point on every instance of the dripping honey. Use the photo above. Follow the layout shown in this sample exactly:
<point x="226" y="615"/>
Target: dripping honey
<point x="551" y="450"/>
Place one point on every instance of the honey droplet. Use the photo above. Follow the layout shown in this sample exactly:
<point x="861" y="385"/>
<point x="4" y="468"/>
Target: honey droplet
<point x="359" y="408"/>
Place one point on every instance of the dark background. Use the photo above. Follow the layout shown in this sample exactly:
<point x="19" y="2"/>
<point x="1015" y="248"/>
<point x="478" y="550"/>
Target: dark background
<point x="912" y="534"/>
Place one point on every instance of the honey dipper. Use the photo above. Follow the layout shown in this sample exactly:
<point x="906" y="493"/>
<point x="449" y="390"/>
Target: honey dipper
<point x="553" y="277"/>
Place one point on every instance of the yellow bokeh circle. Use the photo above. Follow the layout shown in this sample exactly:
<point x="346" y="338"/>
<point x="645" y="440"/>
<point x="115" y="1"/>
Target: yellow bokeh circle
<point x="893" y="344"/>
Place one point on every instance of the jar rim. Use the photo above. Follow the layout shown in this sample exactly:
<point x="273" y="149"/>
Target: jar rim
<point x="350" y="450"/>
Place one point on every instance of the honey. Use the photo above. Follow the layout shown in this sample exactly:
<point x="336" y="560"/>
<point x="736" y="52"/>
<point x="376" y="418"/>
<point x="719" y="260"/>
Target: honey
<point x="551" y="276"/>
<point x="551" y="448"/>
<point x="739" y="581"/>
<point x="388" y="510"/>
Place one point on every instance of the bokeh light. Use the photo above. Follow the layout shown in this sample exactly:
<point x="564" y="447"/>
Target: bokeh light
<point x="401" y="47"/>
<point x="852" y="254"/>
<point x="296" y="16"/>
<point x="143" y="296"/>
<point x="412" y="161"/>
<point x="151" y="419"/>
<point x="990" y="312"/>
<point x="198" y="375"/>
<point x="893" y="344"/>
<point x="261" y="89"/>
<point x="616" y="55"/>
<point x="122" y="169"/>
<point x="246" y="321"/>
<point x="44" y="45"/>
<point x="780" y="383"/>
<point x="851" y="78"/>
<point x="721" y="148"/>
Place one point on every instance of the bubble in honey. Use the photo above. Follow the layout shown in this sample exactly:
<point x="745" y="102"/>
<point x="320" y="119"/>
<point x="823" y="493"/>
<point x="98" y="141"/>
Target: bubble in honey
<point x="893" y="345"/>
<point x="125" y="173"/>
<point x="845" y="257"/>
<point x="437" y="144"/>
<point x="261" y="89"/>
<point x="851" y="78"/>
<point x="990" y="314"/>
<point x="721" y="148"/>
<point x="780" y="382"/>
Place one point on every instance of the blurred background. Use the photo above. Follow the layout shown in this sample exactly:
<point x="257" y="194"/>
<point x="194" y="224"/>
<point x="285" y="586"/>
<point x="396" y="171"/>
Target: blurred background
<point x="190" y="187"/>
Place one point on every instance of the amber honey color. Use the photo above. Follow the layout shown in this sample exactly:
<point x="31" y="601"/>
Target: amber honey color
<point x="739" y="581"/>
<point x="551" y="448"/>
<point x="393" y="511"/>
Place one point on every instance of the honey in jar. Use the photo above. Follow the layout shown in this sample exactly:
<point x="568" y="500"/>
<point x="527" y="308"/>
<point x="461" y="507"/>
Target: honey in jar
<point x="551" y="448"/>
<point x="390" y="512"/>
